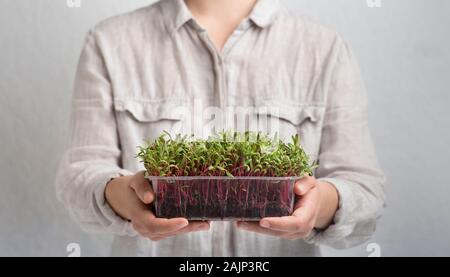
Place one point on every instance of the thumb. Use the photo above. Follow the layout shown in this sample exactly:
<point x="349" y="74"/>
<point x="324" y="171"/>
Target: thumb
<point x="142" y="188"/>
<point x="304" y="185"/>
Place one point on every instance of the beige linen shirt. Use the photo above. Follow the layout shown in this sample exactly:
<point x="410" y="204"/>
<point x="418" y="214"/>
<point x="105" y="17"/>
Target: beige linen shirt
<point x="138" y="68"/>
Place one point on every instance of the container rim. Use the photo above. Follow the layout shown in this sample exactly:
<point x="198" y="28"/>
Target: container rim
<point x="182" y="178"/>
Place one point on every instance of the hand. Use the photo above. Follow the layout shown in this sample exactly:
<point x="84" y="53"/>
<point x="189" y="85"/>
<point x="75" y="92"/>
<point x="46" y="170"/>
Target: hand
<point x="129" y="197"/>
<point x="315" y="207"/>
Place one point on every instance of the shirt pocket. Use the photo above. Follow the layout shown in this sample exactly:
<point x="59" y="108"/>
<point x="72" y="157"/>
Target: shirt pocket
<point x="287" y="120"/>
<point x="140" y="120"/>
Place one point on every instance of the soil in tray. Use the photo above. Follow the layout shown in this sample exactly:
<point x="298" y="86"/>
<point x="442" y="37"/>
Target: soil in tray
<point x="223" y="199"/>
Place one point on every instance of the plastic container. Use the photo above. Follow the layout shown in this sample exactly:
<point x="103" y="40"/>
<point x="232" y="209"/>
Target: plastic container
<point x="223" y="198"/>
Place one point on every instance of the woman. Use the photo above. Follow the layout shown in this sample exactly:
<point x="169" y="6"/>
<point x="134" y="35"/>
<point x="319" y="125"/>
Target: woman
<point x="137" y="69"/>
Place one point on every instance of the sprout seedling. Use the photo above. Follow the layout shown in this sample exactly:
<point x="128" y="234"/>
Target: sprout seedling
<point x="231" y="175"/>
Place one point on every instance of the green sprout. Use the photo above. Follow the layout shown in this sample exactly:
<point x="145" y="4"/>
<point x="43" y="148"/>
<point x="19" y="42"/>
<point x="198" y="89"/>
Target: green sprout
<point x="225" y="154"/>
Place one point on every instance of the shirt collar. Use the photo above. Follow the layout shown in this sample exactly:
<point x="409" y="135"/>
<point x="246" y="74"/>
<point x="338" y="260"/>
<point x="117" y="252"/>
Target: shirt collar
<point x="264" y="12"/>
<point x="176" y="13"/>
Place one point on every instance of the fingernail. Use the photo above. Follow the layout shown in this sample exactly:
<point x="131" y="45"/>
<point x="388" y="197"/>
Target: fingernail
<point x="301" y="188"/>
<point x="182" y="225"/>
<point x="264" y="224"/>
<point x="147" y="195"/>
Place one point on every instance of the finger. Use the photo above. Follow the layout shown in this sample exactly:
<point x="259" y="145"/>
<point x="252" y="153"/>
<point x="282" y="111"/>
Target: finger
<point x="308" y="202"/>
<point x="304" y="185"/>
<point x="142" y="188"/>
<point x="290" y="224"/>
<point x="305" y="211"/>
<point x="161" y="226"/>
<point x="140" y="229"/>
<point x="144" y="218"/>
<point x="301" y="219"/>
<point x="192" y="227"/>
<point x="254" y="227"/>
<point x="140" y="217"/>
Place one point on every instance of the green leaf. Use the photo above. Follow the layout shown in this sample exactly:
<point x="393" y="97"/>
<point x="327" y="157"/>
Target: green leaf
<point x="246" y="154"/>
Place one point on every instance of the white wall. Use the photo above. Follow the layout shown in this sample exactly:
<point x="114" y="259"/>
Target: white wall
<point x="403" y="52"/>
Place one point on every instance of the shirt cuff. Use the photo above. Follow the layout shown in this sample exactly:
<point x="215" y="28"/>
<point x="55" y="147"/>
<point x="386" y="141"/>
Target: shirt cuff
<point x="342" y="225"/>
<point x="109" y="220"/>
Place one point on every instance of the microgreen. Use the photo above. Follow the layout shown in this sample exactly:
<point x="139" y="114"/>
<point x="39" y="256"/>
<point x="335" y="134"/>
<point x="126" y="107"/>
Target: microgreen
<point x="225" y="154"/>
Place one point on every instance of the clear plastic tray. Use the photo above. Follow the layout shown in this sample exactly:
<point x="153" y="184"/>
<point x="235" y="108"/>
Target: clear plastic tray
<point x="223" y="198"/>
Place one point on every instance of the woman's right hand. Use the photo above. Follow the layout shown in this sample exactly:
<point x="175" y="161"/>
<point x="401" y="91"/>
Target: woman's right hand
<point x="130" y="197"/>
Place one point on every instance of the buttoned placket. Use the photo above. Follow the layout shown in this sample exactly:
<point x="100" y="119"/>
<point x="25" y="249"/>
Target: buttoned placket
<point x="220" y="58"/>
<point x="218" y="241"/>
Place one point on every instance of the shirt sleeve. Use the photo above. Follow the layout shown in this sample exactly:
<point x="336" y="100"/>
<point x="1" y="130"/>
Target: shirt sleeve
<point x="93" y="157"/>
<point x="347" y="158"/>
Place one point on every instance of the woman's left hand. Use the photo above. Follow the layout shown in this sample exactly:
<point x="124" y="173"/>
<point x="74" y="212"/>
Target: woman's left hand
<point x="316" y="204"/>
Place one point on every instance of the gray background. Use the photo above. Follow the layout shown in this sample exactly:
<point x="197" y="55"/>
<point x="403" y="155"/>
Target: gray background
<point x="402" y="47"/>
